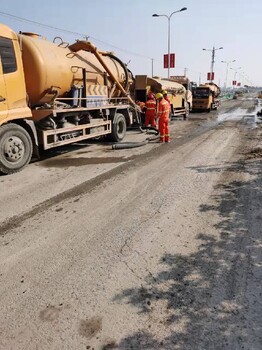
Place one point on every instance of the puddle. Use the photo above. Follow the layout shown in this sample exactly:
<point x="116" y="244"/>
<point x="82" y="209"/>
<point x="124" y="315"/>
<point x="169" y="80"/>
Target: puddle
<point x="236" y="114"/>
<point x="81" y="161"/>
<point x="246" y="115"/>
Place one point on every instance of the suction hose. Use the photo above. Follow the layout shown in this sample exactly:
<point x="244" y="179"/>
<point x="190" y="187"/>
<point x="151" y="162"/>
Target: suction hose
<point x="126" y="145"/>
<point x="148" y="128"/>
<point x="109" y="54"/>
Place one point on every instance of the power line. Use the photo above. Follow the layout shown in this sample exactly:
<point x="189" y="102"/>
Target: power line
<point x="21" y="19"/>
<point x="26" y="20"/>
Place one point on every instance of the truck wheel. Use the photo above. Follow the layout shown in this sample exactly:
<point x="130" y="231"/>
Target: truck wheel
<point x="15" y="148"/>
<point x="118" y="128"/>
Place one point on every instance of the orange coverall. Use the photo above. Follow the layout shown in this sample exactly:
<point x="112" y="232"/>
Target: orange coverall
<point x="168" y="100"/>
<point x="150" y="112"/>
<point x="163" y="119"/>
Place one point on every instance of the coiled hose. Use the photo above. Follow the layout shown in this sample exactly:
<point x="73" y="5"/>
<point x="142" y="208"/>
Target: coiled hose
<point x="126" y="145"/>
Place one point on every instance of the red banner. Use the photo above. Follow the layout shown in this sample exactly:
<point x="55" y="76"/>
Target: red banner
<point x="238" y="84"/>
<point x="210" y="76"/>
<point x="171" y="62"/>
<point x="165" y="61"/>
<point x="234" y="82"/>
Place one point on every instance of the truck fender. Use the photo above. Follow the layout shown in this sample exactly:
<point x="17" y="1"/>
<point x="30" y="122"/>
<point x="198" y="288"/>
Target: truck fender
<point x="29" y="125"/>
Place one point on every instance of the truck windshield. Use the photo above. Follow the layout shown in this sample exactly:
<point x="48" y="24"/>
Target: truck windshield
<point x="201" y="92"/>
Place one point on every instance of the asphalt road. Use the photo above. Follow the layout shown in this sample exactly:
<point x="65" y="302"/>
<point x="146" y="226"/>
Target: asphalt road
<point x="156" y="247"/>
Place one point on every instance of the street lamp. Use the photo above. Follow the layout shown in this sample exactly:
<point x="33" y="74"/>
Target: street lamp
<point x="235" y="70"/>
<point x="227" y="63"/>
<point x="212" y="60"/>
<point x="241" y="78"/>
<point x="168" y="34"/>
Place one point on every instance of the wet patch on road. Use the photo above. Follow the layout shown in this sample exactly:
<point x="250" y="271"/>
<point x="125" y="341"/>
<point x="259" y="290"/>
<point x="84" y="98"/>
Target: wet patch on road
<point x="81" y="161"/>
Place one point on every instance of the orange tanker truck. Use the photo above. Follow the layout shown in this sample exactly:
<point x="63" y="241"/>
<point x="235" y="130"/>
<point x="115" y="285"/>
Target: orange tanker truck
<point x="53" y="94"/>
<point x="177" y="93"/>
<point x="205" y="97"/>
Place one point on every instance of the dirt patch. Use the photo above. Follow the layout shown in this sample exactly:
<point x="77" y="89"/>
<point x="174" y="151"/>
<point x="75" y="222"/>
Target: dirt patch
<point x="51" y="313"/>
<point x="110" y="344"/>
<point x="254" y="153"/>
<point x="90" y="328"/>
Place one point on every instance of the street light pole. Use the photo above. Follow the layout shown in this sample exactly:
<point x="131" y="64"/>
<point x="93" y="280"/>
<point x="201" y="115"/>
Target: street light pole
<point x="152" y="67"/>
<point x="168" y="36"/>
<point x="199" y="78"/>
<point x="213" y="50"/>
<point x="168" y="47"/>
<point x="227" y="63"/>
<point x="235" y="70"/>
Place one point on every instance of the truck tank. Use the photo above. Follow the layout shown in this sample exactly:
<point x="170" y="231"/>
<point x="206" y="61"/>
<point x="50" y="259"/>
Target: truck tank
<point x="52" y="70"/>
<point x="213" y="87"/>
<point x="176" y="91"/>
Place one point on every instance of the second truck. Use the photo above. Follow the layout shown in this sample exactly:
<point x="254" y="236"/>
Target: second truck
<point x="205" y="97"/>
<point x="180" y="98"/>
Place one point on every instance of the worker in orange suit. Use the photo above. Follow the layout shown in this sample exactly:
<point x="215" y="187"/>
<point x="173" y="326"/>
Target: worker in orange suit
<point x="142" y="106"/>
<point x="163" y="117"/>
<point x="150" y="111"/>
<point x="164" y="93"/>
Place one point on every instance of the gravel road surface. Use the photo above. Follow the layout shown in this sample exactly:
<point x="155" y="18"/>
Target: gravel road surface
<point x="157" y="247"/>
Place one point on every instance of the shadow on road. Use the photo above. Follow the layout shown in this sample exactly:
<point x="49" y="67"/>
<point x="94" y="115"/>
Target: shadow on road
<point x="208" y="299"/>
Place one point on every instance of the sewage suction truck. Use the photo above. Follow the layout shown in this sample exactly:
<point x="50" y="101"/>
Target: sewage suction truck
<point x="54" y="93"/>
<point x="205" y="97"/>
<point x="180" y="100"/>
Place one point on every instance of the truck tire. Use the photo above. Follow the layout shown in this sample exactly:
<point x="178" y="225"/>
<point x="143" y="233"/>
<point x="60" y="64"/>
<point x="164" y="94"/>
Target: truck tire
<point x="118" y="128"/>
<point x="15" y="148"/>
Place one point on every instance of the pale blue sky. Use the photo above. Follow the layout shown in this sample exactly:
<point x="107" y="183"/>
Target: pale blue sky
<point x="128" y="25"/>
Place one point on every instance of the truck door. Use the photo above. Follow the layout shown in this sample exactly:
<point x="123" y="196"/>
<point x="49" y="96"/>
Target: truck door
<point x="3" y="102"/>
<point x="140" y="88"/>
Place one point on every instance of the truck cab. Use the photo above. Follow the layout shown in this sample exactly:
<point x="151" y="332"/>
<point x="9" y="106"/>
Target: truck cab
<point x="13" y="104"/>
<point x="205" y="98"/>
